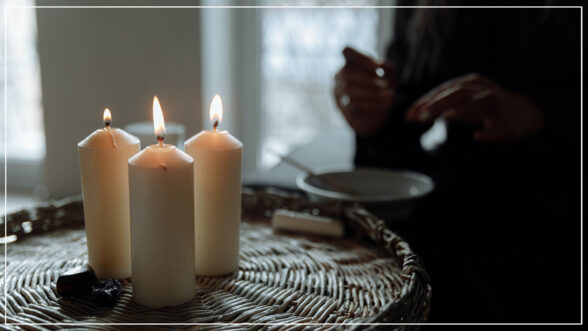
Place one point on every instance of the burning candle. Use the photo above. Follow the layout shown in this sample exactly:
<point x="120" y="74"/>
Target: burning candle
<point x="161" y="188"/>
<point x="103" y="166"/>
<point x="217" y="196"/>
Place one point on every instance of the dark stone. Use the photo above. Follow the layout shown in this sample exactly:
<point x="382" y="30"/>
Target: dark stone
<point x="76" y="282"/>
<point x="106" y="293"/>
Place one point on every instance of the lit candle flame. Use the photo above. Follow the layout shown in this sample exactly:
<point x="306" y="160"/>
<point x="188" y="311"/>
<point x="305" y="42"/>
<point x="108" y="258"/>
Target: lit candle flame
<point x="216" y="110"/>
<point x="158" y="123"/>
<point x="107" y="117"/>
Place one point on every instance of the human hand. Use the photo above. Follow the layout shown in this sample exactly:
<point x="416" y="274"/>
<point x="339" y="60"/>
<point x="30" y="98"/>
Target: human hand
<point x="364" y="92"/>
<point x="504" y="115"/>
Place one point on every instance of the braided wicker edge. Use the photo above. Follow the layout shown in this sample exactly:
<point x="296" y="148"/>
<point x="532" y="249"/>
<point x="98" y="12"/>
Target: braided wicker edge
<point x="412" y="306"/>
<point x="414" y="303"/>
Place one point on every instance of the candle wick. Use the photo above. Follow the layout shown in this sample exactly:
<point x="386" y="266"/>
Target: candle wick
<point x="107" y="128"/>
<point x="107" y="124"/>
<point x="215" y="125"/>
<point x="160" y="140"/>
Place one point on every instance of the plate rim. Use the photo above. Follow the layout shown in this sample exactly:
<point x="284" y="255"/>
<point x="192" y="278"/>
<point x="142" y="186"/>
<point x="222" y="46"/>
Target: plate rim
<point x="324" y="193"/>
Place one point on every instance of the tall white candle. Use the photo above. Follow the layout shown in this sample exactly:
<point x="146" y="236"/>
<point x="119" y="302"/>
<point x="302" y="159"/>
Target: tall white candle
<point x="217" y="185"/>
<point x="105" y="190"/>
<point x="161" y="188"/>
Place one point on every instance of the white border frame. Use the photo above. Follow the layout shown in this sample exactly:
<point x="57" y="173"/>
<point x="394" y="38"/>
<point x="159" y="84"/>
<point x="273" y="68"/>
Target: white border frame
<point x="315" y="324"/>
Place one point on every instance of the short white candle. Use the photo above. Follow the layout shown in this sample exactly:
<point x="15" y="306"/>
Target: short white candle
<point x="217" y="185"/>
<point x="103" y="167"/>
<point x="161" y="190"/>
<point x="288" y="220"/>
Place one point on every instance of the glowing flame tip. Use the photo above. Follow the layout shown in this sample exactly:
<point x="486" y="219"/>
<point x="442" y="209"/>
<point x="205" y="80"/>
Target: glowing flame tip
<point x="106" y="116"/>
<point x="216" y="109"/>
<point x="158" y="123"/>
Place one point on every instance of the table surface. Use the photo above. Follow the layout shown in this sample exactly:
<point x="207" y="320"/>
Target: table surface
<point x="367" y="276"/>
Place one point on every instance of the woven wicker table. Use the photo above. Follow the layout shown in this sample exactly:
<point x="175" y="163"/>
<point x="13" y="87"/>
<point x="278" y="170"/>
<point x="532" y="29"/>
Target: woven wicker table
<point x="284" y="280"/>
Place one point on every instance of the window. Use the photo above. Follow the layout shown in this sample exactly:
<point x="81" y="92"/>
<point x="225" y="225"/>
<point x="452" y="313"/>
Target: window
<point x="25" y="138"/>
<point x="300" y="54"/>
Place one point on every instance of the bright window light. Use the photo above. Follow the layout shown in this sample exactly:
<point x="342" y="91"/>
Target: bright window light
<point x="25" y="137"/>
<point x="301" y="52"/>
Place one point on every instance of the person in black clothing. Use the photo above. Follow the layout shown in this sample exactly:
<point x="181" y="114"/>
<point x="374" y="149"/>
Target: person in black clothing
<point x="500" y="234"/>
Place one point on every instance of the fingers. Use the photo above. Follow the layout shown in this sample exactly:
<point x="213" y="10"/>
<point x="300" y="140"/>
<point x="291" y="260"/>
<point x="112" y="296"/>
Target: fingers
<point x="352" y="75"/>
<point x="504" y="116"/>
<point x="366" y="119"/>
<point x="379" y="95"/>
<point x="370" y="68"/>
<point x="358" y="59"/>
<point x="480" y="107"/>
<point x="368" y="104"/>
<point x="390" y="73"/>
<point x="466" y="105"/>
<point x="451" y="101"/>
<point x="364" y="92"/>
<point x="414" y="113"/>
<point x="467" y="98"/>
<point x="430" y="107"/>
<point x="354" y="89"/>
<point x="363" y="100"/>
<point x="473" y="78"/>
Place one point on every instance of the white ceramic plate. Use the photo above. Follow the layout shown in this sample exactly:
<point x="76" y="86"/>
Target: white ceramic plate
<point x="369" y="185"/>
<point x="388" y="192"/>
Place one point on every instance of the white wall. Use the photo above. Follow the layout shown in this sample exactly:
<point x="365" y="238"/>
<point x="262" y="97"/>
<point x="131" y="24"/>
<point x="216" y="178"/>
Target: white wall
<point x="116" y="58"/>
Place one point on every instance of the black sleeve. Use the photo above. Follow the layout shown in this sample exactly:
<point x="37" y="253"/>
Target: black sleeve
<point x="548" y="70"/>
<point x="545" y="66"/>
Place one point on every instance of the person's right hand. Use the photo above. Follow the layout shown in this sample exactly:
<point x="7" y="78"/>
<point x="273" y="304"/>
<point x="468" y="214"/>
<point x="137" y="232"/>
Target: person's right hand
<point x="364" y="92"/>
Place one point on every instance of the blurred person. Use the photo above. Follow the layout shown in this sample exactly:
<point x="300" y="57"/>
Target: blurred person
<point x="499" y="235"/>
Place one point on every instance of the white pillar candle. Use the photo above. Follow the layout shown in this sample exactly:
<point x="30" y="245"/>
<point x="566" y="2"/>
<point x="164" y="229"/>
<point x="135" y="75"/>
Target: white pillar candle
<point x="105" y="190"/>
<point x="161" y="188"/>
<point x="217" y="194"/>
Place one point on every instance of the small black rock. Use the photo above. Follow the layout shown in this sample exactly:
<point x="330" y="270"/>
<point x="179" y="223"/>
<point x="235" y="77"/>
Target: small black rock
<point x="76" y="282"/>
<point x="106" y="293"/>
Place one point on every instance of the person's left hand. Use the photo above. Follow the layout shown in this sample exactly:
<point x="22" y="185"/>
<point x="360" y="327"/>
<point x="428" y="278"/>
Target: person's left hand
<point x="504" y="115"/>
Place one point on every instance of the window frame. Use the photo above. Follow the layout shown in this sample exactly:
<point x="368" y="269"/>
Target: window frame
<point x="240" y="85"/>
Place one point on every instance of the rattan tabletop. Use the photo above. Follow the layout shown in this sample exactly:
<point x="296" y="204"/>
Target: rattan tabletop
<point x="284" y="280"/>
